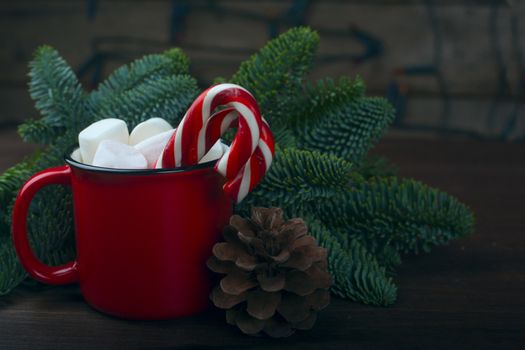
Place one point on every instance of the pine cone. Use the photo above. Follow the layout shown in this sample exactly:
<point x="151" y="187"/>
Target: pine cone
<point x="276" y="275"/>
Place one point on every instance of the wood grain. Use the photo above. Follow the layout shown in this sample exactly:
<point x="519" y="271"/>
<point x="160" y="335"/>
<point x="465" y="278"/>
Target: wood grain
<point x="469" y="294"/>
<point x="468" y="61"/>
<point x="217" y="39"/>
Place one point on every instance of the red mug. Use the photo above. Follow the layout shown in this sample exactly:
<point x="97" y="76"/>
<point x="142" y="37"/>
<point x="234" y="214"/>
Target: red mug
<point x="142" y="236"/>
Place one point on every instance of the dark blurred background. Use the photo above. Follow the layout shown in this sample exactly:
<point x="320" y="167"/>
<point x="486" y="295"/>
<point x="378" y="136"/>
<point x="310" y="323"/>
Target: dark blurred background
<point x="451" y="67"/>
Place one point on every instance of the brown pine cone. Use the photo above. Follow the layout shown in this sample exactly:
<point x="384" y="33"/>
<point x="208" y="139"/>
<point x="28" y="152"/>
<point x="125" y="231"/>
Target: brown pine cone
<point x="276" y="274"/>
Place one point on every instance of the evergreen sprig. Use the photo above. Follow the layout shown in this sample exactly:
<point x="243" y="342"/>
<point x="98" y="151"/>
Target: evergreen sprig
<point x="11" y="272"/>
<point x="347" y="130"/>
<point x="324" y="95"/>
<point x="299" y="177"/>
<point x="10" y="182"/>
<point x="39" y="131"/>
<point x="158" y="84"/>
<point x="56" y="90"/>
<point x="167" y="96"/>
<point x="358" y="274"/>
<point x="354" y="204"/>
<point x="276" y="73"/>
<point x="403" y="214"/>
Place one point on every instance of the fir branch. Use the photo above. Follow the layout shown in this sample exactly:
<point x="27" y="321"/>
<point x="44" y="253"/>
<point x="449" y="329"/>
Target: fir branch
<point x="10" y="182"/>
<point x="39" y="131"/>
<point x="276" y="73"/>
<point x="179" y="62"/>
<point x="346" y="130"/>
<point x="150" y="67"/>
<point x="171" y="62"/>
<point x="49" y="220"/>
<point x="387" y="256"/>
<point x="11" y="272"/>
<point x="284" y="136"/>
<point x="12" y="179"/>
<point x="357" y="274"/>
<point x="53" y="155"/>
<point x="50" y="223"/>
<point x="50" y="230"/>
<point x="56" y="90"/>
<point x="326" y="94"/>
<point x="404" y="214"/>
<point x="165" y="97"/>
<point x="298" y="177"/>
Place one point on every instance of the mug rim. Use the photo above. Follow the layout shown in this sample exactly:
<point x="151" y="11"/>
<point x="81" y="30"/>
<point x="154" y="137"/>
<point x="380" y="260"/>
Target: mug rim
<point x="83" y="166"/>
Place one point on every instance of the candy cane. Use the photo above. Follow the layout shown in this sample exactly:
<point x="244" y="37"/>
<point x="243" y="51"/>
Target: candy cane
<point x="258" y="164"/>
<point x="254" y="170"/>
<point x="187" y="144"/>
<point x="251" y="151"/>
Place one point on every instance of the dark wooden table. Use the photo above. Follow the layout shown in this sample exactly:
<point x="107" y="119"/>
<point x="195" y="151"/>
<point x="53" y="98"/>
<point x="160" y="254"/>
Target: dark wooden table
<point x="470" y="294"/>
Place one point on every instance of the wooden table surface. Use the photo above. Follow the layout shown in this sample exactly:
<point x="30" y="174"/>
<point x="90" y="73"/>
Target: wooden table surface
<point x="469" y="294"/>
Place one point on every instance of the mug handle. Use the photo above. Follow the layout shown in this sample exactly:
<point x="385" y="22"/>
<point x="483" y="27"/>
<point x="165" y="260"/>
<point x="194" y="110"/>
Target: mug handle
<point x="62" y="274"/>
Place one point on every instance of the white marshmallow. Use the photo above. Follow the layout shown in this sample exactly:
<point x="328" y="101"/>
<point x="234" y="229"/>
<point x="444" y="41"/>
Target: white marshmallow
<point x="76" y="156"/>
<point x="105" y="129"/>
<point x="152" y="147"/>
<point x="113" y="154"/>
<point x="214" y="153"/>
<point x="147" y="129"/>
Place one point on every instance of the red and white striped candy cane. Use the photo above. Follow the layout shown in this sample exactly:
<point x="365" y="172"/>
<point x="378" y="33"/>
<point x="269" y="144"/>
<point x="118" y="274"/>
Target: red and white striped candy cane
<point x="188" y="143"/>
<point x="254" y="169"/>
<point x="258" y="164"/>
<point x="251" y="152"/>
